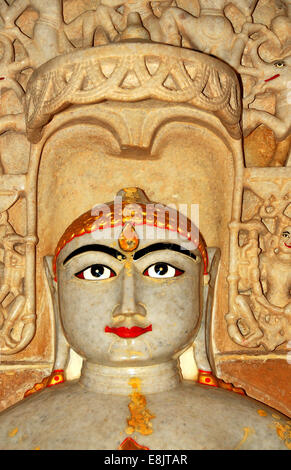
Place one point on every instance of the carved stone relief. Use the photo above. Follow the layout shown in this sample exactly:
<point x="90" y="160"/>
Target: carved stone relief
<point x="16" y="298"/>
<point x="260" y="290"/>
<point x="234" y="36"/>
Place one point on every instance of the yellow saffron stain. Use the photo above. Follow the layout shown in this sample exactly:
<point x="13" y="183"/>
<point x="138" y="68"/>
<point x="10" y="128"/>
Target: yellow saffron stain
<point x="36" y="448"/>
<point x="135" y="353"/>
<point x="247" y="433"/>
<point x="140" y="416"/>
<point x="262" y="413"/>
<point x="13" y="432"/>
<point x="284" y="433"/>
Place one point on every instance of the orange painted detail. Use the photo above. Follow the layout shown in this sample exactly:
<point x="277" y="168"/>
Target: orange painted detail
<point x="140" y="416"/>
<point x="36" y="388"/>
<point x="206" y="377"/>
<point x="56" y="377"/>
<point x="240" y="391"/>
<point x="284" y="433"/>
<point x="230" y="387"/>
<point x="225" y="385"/>
<point x="128" y="240"/>
<point x="262" y="413"/>
<point x="131" y="444"/>
<point x="247" y="433"/>
<point x="13" y="432"/>
<point x="121" y="215"/>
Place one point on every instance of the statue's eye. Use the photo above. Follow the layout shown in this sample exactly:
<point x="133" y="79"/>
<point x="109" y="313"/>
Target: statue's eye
<point x="96" y="272"/>
<point x="279" y="64"/>
<point x="162" y="270"/>
<point x="286" y="234"/>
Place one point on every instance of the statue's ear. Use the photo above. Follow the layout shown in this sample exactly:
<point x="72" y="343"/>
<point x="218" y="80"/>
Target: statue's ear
<point x="61" y="345"/>
<point x="202" y="340"/>
<point x="48" y="269"/>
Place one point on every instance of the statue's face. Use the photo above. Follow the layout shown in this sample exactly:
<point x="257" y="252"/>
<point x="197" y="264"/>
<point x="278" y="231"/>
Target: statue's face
<point x="285" y="240"/>
<point x="127" y="308"/>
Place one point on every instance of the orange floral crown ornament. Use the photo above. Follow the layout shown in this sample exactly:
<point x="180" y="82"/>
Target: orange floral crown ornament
<point x="119" y="213"/>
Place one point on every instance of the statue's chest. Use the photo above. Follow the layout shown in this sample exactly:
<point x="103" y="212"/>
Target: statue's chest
<point x="184" y="418"/>
<point x="137" y="422"/>
<point x="133" y="422"/>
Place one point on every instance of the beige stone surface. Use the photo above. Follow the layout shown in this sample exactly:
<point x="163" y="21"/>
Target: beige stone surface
<point x="15" y="381"/>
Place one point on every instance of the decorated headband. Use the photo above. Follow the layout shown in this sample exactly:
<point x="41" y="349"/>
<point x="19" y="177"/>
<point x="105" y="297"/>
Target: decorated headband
<point x="121" y="215"/>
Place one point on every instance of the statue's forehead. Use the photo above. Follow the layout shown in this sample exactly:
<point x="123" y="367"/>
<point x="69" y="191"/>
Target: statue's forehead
<point x="110" y="237"/>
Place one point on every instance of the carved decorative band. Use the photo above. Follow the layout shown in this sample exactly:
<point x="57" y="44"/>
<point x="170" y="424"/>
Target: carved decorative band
<point x="133" y="72"/>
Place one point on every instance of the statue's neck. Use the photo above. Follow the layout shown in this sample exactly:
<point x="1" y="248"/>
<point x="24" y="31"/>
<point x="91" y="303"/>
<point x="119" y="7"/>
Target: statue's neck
<point x="117" y="380"/>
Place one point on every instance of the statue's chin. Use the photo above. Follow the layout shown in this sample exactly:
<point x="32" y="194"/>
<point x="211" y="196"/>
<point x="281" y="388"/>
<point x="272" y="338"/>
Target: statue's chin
<point x="130" y="352"/>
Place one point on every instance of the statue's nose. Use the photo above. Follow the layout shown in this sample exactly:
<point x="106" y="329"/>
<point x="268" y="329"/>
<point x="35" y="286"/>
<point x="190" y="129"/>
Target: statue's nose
<point x="129" y="304"/>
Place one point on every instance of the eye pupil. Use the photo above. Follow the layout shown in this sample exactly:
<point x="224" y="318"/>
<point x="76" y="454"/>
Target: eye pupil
<point x="161" y="268"/>
<point x="97" y="270"/>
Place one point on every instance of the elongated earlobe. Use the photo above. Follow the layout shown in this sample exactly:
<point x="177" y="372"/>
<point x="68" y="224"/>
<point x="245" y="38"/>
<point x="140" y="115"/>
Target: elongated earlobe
<point x="201" y="343"/>
<point x="61" y="346"/>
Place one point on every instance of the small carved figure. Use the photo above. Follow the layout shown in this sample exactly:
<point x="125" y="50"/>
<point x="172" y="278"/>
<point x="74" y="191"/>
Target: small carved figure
<point x="48" y="36"/>
<point x="9" y="68"/>
<point x="98" y="26"/>
<point x="271" y="77"/>
<point x="211" y="32"/>
<point x="281" y="24"/>
<point x="17" y="324"/>
<point x="275" y="269"/>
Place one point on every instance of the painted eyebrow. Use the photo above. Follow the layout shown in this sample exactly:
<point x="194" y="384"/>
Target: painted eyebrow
<point x="163" y="246"/>
<point x="101" y="248"/>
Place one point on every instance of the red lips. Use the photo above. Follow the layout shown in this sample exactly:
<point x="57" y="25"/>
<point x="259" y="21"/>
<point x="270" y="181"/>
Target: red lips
<point x="288" y="246"/>
<point x="124" y="332"/>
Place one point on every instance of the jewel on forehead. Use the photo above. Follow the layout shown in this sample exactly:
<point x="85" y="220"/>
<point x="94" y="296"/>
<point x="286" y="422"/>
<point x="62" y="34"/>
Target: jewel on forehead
<point x="128" y="240"/>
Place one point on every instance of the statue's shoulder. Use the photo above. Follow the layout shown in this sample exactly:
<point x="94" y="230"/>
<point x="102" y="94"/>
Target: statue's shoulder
<point x="240" y="422"/>
<point x="34" y="405"/>
<point x="66" y="416"/>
